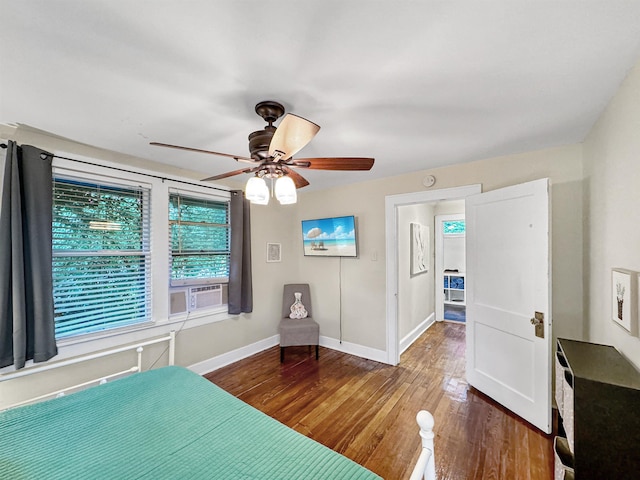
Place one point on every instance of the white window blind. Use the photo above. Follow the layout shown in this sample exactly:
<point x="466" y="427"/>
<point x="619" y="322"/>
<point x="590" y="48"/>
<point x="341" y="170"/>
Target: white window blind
<point x="200" y="239"/>
<point x="101" y="256"/>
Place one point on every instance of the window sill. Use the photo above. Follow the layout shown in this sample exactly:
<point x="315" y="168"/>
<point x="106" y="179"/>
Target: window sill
<point x="85" y="344"/>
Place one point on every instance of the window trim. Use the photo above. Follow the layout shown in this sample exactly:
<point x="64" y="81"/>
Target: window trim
<point x="100" y="170"/>
<point x="197" y="194"/>
<point x="143" y="252"/>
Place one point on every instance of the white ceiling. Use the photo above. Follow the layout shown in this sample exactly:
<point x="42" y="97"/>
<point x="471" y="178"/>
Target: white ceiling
<point x="415" y="84"/>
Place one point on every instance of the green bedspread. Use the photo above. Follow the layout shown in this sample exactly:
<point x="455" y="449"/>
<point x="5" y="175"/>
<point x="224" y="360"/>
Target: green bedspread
<point x="167" y="423"/>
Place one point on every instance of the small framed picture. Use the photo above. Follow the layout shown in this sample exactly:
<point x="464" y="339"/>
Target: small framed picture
<point x="274" y="252"/>
<point x="624" y="299"/>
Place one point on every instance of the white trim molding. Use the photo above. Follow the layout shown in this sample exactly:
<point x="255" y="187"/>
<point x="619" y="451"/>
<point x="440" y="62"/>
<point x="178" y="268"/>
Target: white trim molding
<point x="354" y="349"/>
<point x="413" y="335"/>
<point x="214" y="363"/>
<point x="392" y="202"/>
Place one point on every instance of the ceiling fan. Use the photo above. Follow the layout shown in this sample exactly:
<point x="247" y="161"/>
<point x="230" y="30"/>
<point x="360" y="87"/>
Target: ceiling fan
<point x="272" y="151"/>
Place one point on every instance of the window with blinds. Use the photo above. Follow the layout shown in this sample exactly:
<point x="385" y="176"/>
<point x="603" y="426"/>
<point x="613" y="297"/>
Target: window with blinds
<point x="200" y="240"/>
<point x="101" y="256"/>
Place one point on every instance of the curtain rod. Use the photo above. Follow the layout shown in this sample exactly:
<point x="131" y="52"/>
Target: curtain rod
<point x="44" y="156"/>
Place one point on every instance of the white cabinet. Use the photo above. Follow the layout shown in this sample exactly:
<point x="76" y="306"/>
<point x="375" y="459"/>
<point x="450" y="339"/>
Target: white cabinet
<point x="454" y="293"/>
<point x="454" y="301"/>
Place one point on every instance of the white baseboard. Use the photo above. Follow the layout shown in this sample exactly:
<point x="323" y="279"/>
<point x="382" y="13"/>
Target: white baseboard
<point x="416" y="332"/>
<point x="211" y="364"/>
<point x="355" y="349"/>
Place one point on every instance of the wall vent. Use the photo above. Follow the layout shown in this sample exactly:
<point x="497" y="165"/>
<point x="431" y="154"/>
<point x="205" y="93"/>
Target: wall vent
<point x="178" y="302"/>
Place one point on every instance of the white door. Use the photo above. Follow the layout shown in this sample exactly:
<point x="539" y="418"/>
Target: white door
<point x="508" y="281"/>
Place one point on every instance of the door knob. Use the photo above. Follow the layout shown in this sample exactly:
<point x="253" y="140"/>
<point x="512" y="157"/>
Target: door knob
<point x="538" y="321"/>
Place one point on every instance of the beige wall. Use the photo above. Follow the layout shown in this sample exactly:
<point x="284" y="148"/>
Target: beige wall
<point x="349" y="294"/>
<point x="612" y="210"/>
<point x="353" y="290"/>
<point x="416" y="293"/>
<point x="365" y="319"/>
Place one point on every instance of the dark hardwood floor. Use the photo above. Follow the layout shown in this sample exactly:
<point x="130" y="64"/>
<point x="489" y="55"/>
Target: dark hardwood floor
<point x="366" y="410"/>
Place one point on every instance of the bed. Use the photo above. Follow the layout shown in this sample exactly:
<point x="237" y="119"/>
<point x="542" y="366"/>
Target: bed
<point x="166" y="423"/>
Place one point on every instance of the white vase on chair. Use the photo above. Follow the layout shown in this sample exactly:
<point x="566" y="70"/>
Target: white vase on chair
<point x="297" y="308"/>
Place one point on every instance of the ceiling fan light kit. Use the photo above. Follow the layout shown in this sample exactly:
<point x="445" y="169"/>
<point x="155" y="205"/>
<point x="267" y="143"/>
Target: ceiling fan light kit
<point x="286" y="191"/>
<point x="272" y="151"/>
<point x="257" y="191"/>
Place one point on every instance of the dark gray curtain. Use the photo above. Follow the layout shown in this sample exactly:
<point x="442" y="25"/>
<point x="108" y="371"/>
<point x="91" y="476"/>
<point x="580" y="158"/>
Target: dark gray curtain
<point x="240" y="285"/>
<point x="26" y="288"/>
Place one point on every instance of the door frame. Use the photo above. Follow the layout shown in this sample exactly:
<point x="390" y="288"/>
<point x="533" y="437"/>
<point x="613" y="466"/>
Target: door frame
<point x="438" y="238"/>
<point x="392" y="203"/>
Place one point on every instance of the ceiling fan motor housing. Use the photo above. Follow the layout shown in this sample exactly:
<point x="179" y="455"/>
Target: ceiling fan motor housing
<point x="260" y="140"/>
<point x="270" y="110"/>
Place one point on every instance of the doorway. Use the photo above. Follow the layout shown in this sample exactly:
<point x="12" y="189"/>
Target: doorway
<point x="506" y="228"/>
<point x="392" y="205"/>
<point x="450" y="262"/>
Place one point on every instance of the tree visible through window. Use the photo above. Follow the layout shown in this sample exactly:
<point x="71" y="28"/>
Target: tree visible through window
<point x="453" y="227"/>
<point x="101" y="256"/>
<point x="200" y="240"/>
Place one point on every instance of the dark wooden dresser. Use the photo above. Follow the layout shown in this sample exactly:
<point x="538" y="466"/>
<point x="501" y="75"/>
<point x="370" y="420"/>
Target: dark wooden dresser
<point x="598" y="397"/>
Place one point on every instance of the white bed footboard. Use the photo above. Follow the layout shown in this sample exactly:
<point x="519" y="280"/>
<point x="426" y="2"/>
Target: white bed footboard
<point x="425" y="468"/>
<point x="138" y="347"/>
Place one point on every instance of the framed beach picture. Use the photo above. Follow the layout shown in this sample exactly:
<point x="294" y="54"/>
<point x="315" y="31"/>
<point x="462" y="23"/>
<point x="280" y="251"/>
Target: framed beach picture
<point x="419" y="248"/>
<point x="330" y="237"/>
<point x="624" y="299"/>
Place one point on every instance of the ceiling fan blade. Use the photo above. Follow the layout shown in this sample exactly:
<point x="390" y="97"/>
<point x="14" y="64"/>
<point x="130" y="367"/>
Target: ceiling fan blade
<point x="231" y="174"/>
<point x="292" y="134"/>
<point x="334" y="163"/>
<point x="190" y="149"/>
<point x="298" y="179"/>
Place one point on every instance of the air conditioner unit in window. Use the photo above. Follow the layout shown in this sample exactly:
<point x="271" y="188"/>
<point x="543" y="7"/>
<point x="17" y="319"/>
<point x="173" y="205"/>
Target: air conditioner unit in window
<point x="192" y="299"/>
<point x="205" y="297"/>
<point x="178" y="301"/>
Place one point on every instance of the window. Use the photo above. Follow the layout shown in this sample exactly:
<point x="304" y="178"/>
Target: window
<point x="200" y="240"/>
<point x="101" y="256"/>
<point x="453" y="227"/>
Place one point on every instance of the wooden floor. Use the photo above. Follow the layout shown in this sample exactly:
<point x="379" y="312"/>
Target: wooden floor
<point x="366" y="410"/>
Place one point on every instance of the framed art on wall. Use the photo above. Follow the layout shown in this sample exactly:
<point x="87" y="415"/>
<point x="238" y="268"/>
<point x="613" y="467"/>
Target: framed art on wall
<point x="624" y="299"/>
<point x="330" y="237"/>
<point x="419" y="248"/>
<point x="274" y="252"/>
